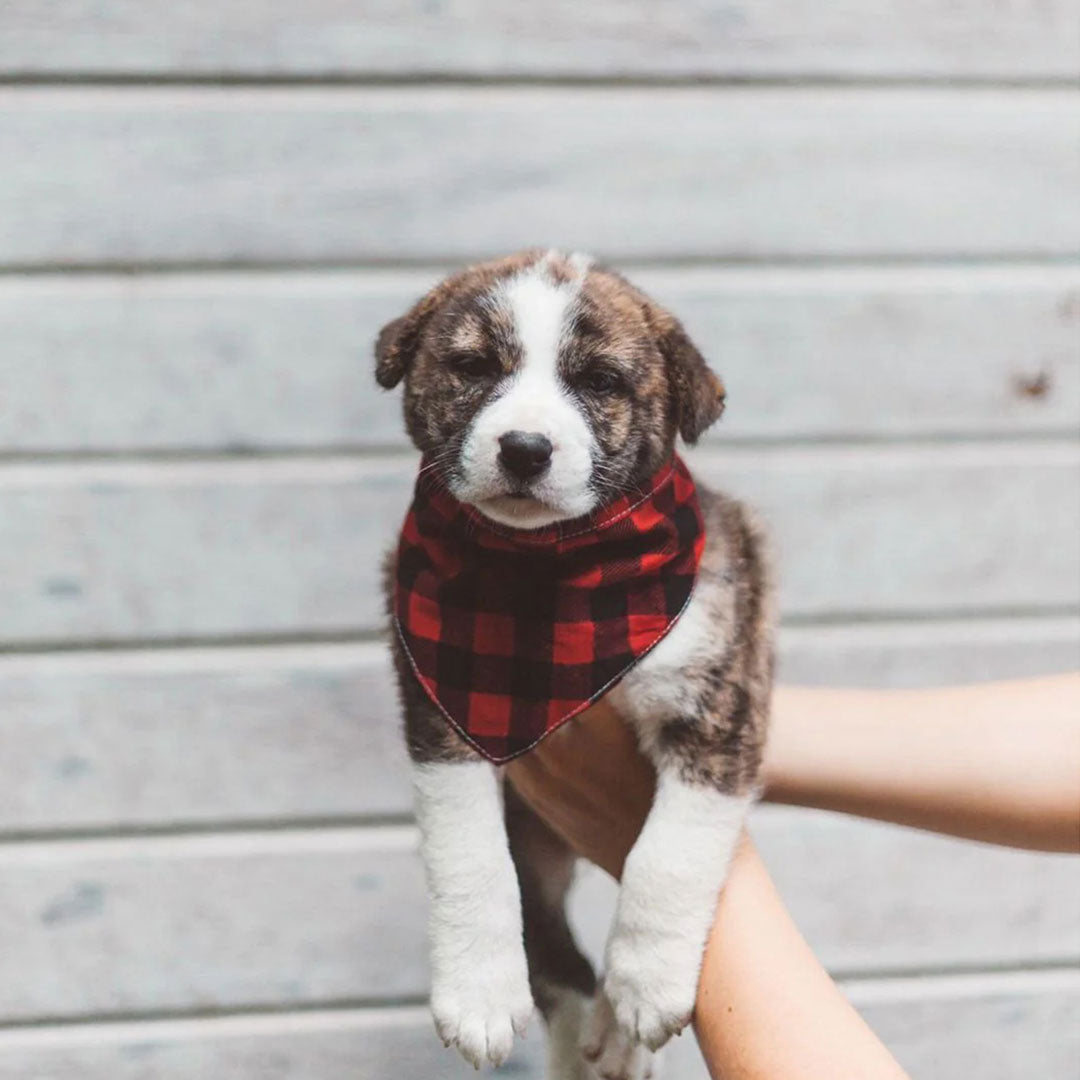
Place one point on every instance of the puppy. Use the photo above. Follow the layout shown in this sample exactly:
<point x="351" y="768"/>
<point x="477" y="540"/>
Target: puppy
<point x="546" y="394"/>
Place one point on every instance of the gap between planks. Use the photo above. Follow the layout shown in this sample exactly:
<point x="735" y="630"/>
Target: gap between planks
<point x="339" y="467"/>
<point x="478" y="94"/>
<point x="374" y="451"/>
<point x="771" y="274"/>
<point x="328" y="80"/>
<point x="209" y="841"/>
<point x="256" y="652"/>
<point x="325" y="1018"/>
<point x="773" y="263"/>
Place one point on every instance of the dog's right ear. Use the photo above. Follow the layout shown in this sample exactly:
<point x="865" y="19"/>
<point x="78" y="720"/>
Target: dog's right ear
<point x="399" y="341"/>
<point x="396" y="346"/>
<point x="391" y="357"/>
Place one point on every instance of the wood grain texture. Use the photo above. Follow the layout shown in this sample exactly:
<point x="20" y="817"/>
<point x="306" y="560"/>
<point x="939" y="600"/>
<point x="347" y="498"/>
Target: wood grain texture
<point x="116" y="551"/>
<point x="339" y="1044"/>
<point x="688" y="39"/>
<point x="863" y="895"/>
<point x="867" y="260"/>
<point x="128" y="926"/>
<point x="179" y="175"/>
<point x="312" y="917"/>
<point x="200" y="736"/>
<point x="283" y="361"/>
<point x="304" y="733"/>
<point x="996" y="1027"/>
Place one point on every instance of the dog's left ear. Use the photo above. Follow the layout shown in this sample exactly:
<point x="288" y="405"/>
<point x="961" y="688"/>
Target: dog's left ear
<point x="696" y="391"/>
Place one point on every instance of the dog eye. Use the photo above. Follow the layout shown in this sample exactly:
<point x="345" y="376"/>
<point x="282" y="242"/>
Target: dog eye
<point x="601" y="379"/>
<point x="474" y="365"/>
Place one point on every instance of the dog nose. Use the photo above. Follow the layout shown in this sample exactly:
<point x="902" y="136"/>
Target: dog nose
<point x="524" y="454"/>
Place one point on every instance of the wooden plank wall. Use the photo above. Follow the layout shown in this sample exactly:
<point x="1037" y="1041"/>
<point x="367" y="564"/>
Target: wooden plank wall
<point x="866" y="215"/>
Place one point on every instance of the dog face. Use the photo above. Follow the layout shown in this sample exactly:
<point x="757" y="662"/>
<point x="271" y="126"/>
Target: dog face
<point x="542" y="386"/>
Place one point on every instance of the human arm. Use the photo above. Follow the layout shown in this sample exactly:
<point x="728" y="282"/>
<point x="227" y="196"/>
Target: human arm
<point x="998" y="762"/>
<point x="765" y="1007"/>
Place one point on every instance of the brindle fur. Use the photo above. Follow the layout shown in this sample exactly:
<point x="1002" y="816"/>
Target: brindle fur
<point x="718" y="738"/>
<point x="721" y="739"/>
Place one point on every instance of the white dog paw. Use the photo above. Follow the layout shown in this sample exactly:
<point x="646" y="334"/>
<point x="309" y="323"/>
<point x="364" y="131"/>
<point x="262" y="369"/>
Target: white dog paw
<point x="651" y="985"/>
<point x="612" y="1052"/>
<point x="479" y="1010"/>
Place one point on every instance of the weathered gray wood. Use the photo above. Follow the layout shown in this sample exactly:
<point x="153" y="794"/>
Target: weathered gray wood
<point x="148" y="551"/>
<point x="195" y="922"/>
<point x="106" y="551"/>
<point x="203" y="735"/>
<point x="229" y="361"/>
<point x="995" y="1027"/>
<point x="874" y="898"/>
<point x="302" y="733"/>
<point x="98" y="176"/>
<point x="923" y="899"/>
<point x="937" y="653"/>
<point x="345" y="1044"/>
<point x="314" y="917"/>
<point x="691" y="39"/>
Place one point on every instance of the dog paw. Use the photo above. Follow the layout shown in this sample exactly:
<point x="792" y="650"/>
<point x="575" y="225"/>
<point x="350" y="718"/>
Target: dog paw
<point x="651" y="985"/>
<point x="479" y="1010"/>
<point x="612" y="1052"/>
<point x="565" y="1019"/>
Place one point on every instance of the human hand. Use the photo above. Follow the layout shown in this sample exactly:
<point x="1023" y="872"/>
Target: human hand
<point x="591" y="784"/>
<point x="765" y="1006"/>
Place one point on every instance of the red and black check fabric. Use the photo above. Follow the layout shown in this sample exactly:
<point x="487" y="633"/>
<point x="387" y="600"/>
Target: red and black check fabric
<point x="513" y="632"/>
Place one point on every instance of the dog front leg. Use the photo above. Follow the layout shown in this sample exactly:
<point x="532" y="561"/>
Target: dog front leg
<point x="667" y="900"/>
<point x="480" y="984"/>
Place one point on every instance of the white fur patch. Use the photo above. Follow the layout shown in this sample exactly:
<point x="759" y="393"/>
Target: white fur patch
<point x="655" y="690"/>
<point x="574" y="1027"/>
<point x="480" y="984"/>
<point x="534" y="400"/>
<point x="565" y="1029"/>
<point x="667" y="900"/>
<point x="614" y="1054"/>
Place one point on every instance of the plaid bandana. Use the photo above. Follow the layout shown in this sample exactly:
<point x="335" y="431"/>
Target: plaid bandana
<point x="512" y="632"/>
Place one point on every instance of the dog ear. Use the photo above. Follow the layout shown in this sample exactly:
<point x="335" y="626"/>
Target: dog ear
<point x="399" y="341"/>
<point x="697" y="393"/>
<point x="397" y="344"/>
<point x="394" y="349"/>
